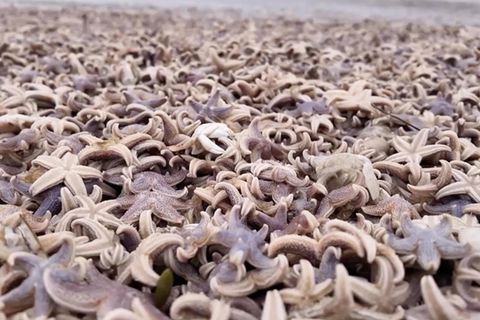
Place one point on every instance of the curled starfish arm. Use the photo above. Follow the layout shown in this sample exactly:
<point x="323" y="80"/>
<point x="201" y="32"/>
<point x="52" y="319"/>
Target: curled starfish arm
<point x="303" y="246"/>
<point x="438" y="306"/>
<point x="24" y="260"/>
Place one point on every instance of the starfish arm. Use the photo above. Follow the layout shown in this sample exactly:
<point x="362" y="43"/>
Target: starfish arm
<point x="420" y="139"/>
<point x="48" y="162"/>
<point x="450" y="249"/>
<point x="167" y="212"/>
<point x="438" y="305"/>
<point x="93" y="248"/>
<point x="65" y="254"/>
<point x="444" y="228"/>
<point x="257" y="259"/>
<point x="398" y="157"/>
<point x="432" y="149"/>
<point x="459" y="176"/>
<point x="400" y="144"/>
<point x="343" y="296"/>
<point x="87" y="172"/>
<point x="47" y="180"/>
<point x="52" y="202"/>
<point x="451" y="189"/>
<point x="274" y="307"/>
<point x="428" y="256"/>
<point x="123" y="152"/>
<point x="127" y="201"/>
<point x="107" y="219"/>
<point x="365" y="290"/>
<point x="133" y="213"/>
<point x="24" y="260"/>
<point x="43" y="304"/>
<point x="64" y="289"/>
<point x="106" y="205"/>
<point x="300" y="245"/>
<point x="209" y="145"/>
<point x="474" y="192"/>
<point x="19" y="297"/>
<point x="403" y="246"/>
<point x="75" y="183"/>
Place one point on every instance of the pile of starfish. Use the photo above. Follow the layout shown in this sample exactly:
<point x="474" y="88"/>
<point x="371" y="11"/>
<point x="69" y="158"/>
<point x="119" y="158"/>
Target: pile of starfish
<point x="206" y="165"/>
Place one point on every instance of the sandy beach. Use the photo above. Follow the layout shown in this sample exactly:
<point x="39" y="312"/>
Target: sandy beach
<point x="216" y="160"/>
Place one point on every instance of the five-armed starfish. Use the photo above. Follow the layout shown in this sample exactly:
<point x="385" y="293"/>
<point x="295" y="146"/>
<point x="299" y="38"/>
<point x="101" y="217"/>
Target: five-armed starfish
<point x="20" y="298"/>
<point x="65" y="170"/>
<point x="152" y="192"/>
<point x="466" y="184"/>
<point x="95" y="293"/>
<point x="429" y="245"/>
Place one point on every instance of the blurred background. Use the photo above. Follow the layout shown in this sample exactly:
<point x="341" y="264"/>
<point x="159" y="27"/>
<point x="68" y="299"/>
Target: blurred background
<point x="427" y="11"/>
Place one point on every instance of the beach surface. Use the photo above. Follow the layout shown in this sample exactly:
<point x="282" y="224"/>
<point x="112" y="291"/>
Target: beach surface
<point x="423" y="11"/>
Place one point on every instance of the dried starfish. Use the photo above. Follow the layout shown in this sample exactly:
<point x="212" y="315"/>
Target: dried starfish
<point x="66" y="170"/>
<point x="20" y="297"/>
<point x="413" y="153"/>
<point x="95" y="293"/>
<point x="468" y="183"/>
<point x="429" y="245"/>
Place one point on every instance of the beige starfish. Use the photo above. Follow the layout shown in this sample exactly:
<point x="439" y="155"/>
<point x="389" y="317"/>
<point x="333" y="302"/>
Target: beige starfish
<point x="91" y="210"/>
<point x="466" y="184"/>
<point x="356" y="98"/>
<point x="66" y="170"/>
<point x="412" y="153"/>
<point x="207" y="131"/>
<point x="306" y="290"/>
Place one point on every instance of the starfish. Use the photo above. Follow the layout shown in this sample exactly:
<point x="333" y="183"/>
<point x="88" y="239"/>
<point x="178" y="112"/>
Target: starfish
<point x="395" y="205"/>
<point x="205" y="132"/>
<point x="153" y="181"/>
<point x="346" y="198"/>
<point x="95" y="293"/>
<point x="277" y="222"/>
<point x="252" y="142"/>
<point x="356" y="98"/>
<point x="20" y="141"/>
<point x="308" y="108"/>
<point x="7" y="192"/>
<point x="274" y="307"/>
<point x="163" y="206"/>
<point x="91" y="210"/>
<point x="114" y="147"/>
<point x="429" y="245"/>
<point x="465" y="184"/>
<point x="454" y="207"/>
<point x="20" y="297"/>
<point x="307" y="289"/>
<point x="210" y="112"/>
<point x="66" y="170"/>
<point x="437" y="305"/>
<point x="413" y="153"/>
<point x="243" y="243"/>
<point x="94" y="239"/>
<point x="50" y="199"/>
